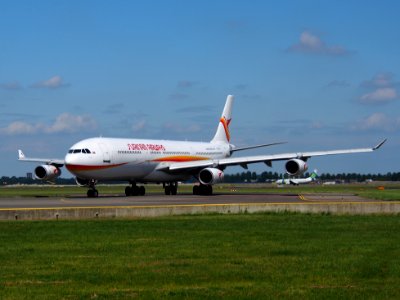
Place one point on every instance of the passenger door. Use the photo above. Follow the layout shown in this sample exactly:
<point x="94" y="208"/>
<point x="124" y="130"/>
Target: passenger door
<point x="106" y="153"/>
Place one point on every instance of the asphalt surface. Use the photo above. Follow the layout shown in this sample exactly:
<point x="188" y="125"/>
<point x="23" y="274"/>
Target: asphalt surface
<point x="156" y="200"/>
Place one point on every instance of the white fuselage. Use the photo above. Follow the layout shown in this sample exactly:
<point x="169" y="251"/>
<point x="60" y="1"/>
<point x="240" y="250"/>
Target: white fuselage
<point x="295" y="181"/>
<point x="136" y="159"/>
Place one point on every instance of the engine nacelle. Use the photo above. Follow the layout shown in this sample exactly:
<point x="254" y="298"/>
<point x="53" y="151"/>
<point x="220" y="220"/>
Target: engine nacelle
<point x="296" y="167"/>
<point x="47" y="172"/>
<point x="209" y="176"/>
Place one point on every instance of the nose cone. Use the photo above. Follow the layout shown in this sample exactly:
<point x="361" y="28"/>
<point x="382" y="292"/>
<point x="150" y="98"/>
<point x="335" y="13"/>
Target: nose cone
<point x="70" y="162"/>
<point x="67" y="159"/>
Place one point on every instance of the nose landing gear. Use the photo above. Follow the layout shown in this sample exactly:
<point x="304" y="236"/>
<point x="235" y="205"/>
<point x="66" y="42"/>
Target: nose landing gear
<point x="92" y="192"/>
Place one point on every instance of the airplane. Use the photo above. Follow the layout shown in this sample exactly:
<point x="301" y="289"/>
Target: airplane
<point x="141" y="161"/>
<point x="297" y="181"/>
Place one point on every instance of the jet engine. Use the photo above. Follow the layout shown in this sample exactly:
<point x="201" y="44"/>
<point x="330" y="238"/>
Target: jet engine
<point x="47" y="172"/>
<point x="209" y="176"/>
<point x="296" y="167"/>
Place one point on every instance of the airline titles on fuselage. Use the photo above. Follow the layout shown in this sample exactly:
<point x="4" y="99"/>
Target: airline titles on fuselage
<point x="145" y="147"/>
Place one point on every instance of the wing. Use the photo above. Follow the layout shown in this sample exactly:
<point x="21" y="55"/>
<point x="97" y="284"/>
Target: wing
<point x="267" y="159"/>
<point x="47" y="161"/>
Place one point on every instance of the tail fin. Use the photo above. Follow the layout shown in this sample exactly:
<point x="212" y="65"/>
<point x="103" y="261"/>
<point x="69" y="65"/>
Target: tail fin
<point x="222" y="135"/>
<point x="314" y="175"/>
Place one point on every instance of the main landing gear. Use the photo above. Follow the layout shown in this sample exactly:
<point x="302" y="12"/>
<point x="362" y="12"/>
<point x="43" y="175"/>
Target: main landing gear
<point x="135" y="190"/>
<point x="205" y="190"/>
<point x="170" y="188"/>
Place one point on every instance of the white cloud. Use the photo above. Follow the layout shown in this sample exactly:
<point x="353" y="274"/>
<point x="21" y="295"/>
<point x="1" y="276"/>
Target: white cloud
<point x="311" y="43"/>
<point x="71" y="123"/>
<point x="20" y="128"/>
<point x="51" y="83"/>
<point x="64" y="123"/>
<point x="380" y="80"/>
<point x="382" y="89"/>
<point x="377" y="121"/>
<point x="380" y="95"/>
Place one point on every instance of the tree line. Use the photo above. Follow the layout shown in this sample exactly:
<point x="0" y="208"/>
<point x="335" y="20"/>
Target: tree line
<point x="240" y="178"/>
<point x="347" y="177"/>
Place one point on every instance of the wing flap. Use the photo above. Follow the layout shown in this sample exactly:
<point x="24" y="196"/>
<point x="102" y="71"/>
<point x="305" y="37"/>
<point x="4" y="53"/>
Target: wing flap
<point x="193" y="165"/>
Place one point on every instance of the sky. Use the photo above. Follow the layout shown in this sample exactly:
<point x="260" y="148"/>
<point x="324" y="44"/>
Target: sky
<point x="318" y="75"/>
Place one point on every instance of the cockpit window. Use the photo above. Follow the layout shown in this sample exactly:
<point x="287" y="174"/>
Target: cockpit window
<point x="85" y="151"/>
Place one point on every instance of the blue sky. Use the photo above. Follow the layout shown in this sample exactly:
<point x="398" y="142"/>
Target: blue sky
<point x="317" y="74"/>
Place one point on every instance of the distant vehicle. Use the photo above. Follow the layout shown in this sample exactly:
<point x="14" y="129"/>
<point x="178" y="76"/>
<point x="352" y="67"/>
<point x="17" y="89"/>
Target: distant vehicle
<point x="297" y="181"/>
<point x="167" y="162"/>
<point x="329" y="183"/>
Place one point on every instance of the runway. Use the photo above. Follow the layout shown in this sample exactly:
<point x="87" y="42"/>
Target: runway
<point x="157" y="200"/>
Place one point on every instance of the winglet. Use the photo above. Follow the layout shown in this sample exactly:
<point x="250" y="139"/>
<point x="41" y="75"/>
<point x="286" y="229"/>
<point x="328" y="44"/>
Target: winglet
<point x="21" y="155"/>
<point x="379" y="145"/>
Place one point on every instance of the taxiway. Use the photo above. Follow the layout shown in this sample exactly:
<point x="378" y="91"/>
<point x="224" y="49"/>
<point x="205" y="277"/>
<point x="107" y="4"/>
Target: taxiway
<point x="163" y="200"/>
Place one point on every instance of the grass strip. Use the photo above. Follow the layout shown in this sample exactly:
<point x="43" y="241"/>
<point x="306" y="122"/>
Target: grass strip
<point x="213" y="256"/>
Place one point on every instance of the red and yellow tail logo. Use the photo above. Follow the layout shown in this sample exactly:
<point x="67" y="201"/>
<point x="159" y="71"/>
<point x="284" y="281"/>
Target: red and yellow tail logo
<point x="226" y="123"/>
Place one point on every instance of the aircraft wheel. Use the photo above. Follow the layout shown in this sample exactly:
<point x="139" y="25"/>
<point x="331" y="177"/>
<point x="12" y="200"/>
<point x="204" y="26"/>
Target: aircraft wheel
<point x="92" y="193"/>
<point x="196" y="190"/>
<point x="135" y="191"/>
<point x="209" y="190"/>
<point x="167" y="190"/>
<point x="174" y="191"/>
<point x="128" y="191"/>
<point x="142" y="191"/>
<point x="205" y="190"/>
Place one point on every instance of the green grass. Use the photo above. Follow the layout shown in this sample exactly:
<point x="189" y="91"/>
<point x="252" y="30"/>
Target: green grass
<point x="205" y="257"/>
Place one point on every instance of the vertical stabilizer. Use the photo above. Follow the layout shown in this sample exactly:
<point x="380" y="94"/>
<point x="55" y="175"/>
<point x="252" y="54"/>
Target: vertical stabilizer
<point x="222" y="135"/>
<point x="314" y="175"/>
